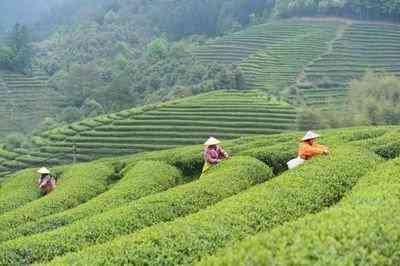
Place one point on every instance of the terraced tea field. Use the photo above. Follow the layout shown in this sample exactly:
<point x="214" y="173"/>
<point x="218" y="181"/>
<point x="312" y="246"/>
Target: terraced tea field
<point x="226" y="115"/>
<point x="361" y="47"/>
<point x="153" y="209"/>
<point x="26" y="101"/>
<point x="272" y="55"/>
<point x="314" y="59"/>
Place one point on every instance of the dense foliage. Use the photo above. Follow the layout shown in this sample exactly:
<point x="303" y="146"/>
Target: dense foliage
<point x="362" y="229"/>
<point x="16" y="53"/>
<point x="111" y="55"/>
<point x="230" y="178"/>
<point x="137" y="182"/>
<point x="371" y="100"/>
<point x="359" y="9"/>
<point x="77" y="185"/>
<point x="97" y="73"/>
<point x="18" y="190"/>
<point x="374" y="100"/>
<point x="308" y="189"/>
<point x="183" y="224"/>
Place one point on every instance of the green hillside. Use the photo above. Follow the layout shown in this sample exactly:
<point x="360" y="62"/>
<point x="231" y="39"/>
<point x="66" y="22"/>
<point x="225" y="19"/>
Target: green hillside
<point x="98" y="214"/>
<point x="27" y="100"/>
<point x="272" y="55"/>
<point x="359" y="48"/>
<point x="311" y="58"/>
<point x="223" y="114"/>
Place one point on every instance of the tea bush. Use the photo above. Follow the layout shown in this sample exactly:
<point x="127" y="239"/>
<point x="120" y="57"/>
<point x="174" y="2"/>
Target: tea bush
<point x="226" y="179"/>
<point x="137" y="182"/>
<point x="78" y="184"/>
<point x="18" y="190"/>
<point x="361" y="230"/>
<point x="307" y="189"/>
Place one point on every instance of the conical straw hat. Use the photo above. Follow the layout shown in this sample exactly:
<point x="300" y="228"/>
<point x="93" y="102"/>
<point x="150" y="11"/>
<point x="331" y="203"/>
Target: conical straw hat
<point x="310" y="135"/>
<point x="212" y="141"/>
<point x="43" y="170"/>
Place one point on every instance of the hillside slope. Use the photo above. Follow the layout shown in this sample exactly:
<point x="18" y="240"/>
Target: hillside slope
<point x="235" y="200"/>
<point x="310" y="58"/>
<point x="26" y="101"/>
<point x="223" y="114"/>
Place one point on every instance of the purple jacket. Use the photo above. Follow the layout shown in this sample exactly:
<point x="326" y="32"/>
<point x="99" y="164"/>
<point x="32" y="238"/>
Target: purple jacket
<point x="212" y="156"/>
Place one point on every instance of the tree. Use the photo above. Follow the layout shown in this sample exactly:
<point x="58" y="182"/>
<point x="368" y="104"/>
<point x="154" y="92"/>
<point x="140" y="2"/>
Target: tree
<point x="17" y="56"/>
<point x="374" y="100"/>
<point x="157" y="49"/>
<point x="91" y="108"/>
<point x="70" y="115"/>
<point x="7" y="55"/>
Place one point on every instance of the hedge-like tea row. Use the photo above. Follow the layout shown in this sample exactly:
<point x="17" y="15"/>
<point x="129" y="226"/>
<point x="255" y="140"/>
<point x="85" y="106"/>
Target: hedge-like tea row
<point x="362" y="230"/>
<point x="308" y="189"/>
<point x="18" y="190"/>
<point x="386" y="145"/>
<point x="270" y="156"/>
<point x="78" y="184"/>
<point x="136" y="183"/>
<point x="227" y="179"/>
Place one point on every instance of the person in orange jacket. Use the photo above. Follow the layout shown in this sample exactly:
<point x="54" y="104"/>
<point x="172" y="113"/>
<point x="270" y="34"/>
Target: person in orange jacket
<point x="308" y="148"/>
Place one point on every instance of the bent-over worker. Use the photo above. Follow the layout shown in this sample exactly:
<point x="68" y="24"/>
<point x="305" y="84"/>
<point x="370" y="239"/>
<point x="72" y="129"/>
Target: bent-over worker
<point x="213" y="153"/>
<point x="308" y="148"/>
<point x="46" y="182"/>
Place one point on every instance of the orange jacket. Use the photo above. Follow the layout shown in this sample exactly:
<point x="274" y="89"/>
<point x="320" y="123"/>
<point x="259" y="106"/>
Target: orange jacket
<point x="307" y="151"/>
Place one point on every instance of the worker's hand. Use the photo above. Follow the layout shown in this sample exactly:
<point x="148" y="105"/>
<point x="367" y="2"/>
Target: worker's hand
<point x="326" y="152"/>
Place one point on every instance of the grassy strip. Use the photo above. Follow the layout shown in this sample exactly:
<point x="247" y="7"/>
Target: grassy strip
<point x="136" y="183"/>
<point x="307" y="189"/>
<point x="361" y="230"/>
<point x="18" y="190"/>
<point x="78" y="184"/>
<point x="229" y="178"/>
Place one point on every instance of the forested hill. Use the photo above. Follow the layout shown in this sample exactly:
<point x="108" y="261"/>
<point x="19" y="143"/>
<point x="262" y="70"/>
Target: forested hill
<point x="107" y="56"/>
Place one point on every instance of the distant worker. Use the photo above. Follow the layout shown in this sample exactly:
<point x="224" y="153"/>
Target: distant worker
<point x="308" y="149"/>
<point x="46" y="182"/>
<point x="213" y="153"/>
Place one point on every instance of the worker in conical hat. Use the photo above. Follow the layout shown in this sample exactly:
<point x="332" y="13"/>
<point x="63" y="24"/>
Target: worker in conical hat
<point x="46" y="182"/>
<point x="309" y="148"/>
<point x="213" y="153"/>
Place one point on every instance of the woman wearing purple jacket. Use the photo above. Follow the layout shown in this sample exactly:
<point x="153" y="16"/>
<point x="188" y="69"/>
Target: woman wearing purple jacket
<point x="213" y="153"/>
<point x="46" y="182"/>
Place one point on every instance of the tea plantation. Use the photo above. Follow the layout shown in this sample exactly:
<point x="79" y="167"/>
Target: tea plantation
<point x="223" y="114"/>
<point x="153" y="209"/>
<point x="315" y="57"/>
<point x="26" y="101"/>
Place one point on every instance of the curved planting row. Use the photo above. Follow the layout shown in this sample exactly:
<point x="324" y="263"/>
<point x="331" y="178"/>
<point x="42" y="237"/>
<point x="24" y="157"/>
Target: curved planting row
<point x="310" y="188"/>
<point x="361" y="230"/>
<point x="361" y="47"/>
<point x="136" y="183"/>
<point x="229" y="178"/>
<point x="225" y="114"/>
<point x="18" y="190"/>
<point x="78" y="184"/>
